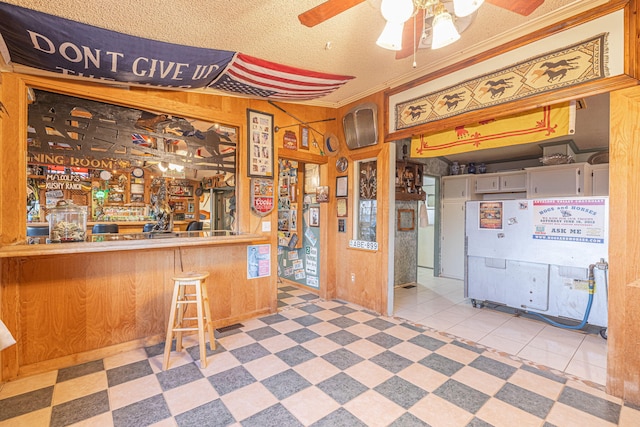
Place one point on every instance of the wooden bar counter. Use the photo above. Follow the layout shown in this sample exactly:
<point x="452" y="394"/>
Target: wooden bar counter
<point x="68" y="303"/>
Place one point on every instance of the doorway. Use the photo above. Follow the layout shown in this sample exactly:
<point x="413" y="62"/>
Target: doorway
<point x="426" y="225"/>
<point x="299" y="225"/>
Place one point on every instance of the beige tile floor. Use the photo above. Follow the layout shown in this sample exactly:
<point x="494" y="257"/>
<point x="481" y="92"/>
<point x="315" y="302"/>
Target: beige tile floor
<point x="439" y="303"/>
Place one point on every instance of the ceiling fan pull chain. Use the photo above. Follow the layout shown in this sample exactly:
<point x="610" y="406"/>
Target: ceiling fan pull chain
<point x="415" y="64"/>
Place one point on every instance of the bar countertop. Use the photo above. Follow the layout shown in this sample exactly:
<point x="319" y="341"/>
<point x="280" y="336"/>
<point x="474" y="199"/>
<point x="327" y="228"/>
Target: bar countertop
<point x="134" y="241"/>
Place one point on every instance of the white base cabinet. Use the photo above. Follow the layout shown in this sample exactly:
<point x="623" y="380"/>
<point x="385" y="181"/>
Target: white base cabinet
<point x="455" y="191"/>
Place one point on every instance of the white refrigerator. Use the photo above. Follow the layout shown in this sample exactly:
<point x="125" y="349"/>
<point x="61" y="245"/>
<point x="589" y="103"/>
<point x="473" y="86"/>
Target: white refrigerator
<point x="535" y="255"/>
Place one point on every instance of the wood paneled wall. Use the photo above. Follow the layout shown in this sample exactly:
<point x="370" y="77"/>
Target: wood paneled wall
<point x="370" y="268"/>
<point x="623" y="361"/>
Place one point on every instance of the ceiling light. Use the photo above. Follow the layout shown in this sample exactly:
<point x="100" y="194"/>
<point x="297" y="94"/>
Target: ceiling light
<point x="444" y="32"/>
<point x="451" y="17"/>
<point x="466" y="7"/>
<point x="396" y="10"/>
<point x="391" y="37"/>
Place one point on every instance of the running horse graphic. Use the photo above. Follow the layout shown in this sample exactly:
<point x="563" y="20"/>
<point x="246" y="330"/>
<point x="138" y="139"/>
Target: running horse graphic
<point x="556" y="71"/>
<point x="496" y="87"/>
<point x="415" y="111"/>
<point x="452" y="100"/>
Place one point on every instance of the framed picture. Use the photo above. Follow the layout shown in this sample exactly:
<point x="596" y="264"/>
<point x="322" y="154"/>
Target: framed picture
<point x="322" y="194"/>
<point x="314" y="216"/>
<point x="342" y="186"/>
<point x="342" y="207"/>
<point x="304" y="138"/>
<point x="311" y="177"/>
<point x="406" y="219"/>
<point x="342" y="226"/>
<point x="260" y="144"/>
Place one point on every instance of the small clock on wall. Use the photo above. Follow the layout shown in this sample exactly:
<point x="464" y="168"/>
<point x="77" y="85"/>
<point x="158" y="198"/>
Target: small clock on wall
<point x="105" y="175"/>
<point x="342" y="164"/>
<point x="137" y="172"/>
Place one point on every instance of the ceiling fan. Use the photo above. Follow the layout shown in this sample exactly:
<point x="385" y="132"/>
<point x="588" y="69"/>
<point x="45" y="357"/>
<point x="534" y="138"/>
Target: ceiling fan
<point x="331" y="8"/>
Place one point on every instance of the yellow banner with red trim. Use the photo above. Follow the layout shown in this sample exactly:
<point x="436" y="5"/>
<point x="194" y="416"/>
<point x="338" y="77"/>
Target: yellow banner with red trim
<point x="531" y="126"/>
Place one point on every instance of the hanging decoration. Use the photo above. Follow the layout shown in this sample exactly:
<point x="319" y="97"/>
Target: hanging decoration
<point x="538" y="125"/>
<point x="41" y="41"/>
<point x="569" y="66"/>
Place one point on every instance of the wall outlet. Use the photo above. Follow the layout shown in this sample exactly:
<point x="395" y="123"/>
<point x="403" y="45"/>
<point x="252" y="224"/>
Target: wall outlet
<point x="353" y="277"/>
<point x="266" y="226"/>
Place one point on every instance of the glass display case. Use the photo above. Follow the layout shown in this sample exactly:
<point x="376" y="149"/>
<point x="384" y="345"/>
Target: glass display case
<point x="67" y="222"/>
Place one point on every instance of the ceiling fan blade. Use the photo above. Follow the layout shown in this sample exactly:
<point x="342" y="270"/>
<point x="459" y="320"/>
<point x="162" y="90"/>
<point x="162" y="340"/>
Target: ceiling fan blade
<point x="326" y="10"/>
<point x="408" y="35"/>
<point x="523" y="7"/>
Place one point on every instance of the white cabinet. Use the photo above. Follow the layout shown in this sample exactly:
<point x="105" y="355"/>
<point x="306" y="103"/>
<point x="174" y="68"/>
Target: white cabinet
<point x="488" y="183"/>
<point x="600" y="180"/>
<point x="570" y="180"/>
<point x="501" y="182"/>
<point x="513" y="181"/>
<point x="458" y="187"/>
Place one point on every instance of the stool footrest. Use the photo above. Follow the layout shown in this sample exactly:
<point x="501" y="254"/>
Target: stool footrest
<point x="194" y="318"/>
<point x="184" y="329"/>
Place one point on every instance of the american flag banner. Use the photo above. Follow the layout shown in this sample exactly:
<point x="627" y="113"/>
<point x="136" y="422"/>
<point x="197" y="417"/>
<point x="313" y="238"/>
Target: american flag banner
<point x="253" y="76"/>
<point x="39" y="41"/>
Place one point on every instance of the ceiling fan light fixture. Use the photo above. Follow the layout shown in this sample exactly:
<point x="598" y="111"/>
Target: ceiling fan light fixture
<point x="396" y="10"/>
<point x="444" y="32"/>
<point x="466" y="7"/>
<point x="391" y="36"/>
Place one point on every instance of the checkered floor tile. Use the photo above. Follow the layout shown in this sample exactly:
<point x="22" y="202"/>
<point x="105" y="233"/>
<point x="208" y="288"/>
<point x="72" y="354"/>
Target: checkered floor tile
<point x="315" y="363"/>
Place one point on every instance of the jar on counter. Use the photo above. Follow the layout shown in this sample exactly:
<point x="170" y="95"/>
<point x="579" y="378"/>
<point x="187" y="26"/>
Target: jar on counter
<point x="67" y="222"/>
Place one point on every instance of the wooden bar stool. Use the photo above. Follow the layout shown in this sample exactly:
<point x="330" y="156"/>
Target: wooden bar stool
<point x="178" y="323"/>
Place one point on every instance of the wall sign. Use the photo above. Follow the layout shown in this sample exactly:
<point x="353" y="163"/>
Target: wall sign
<point x="261" y="196"/>
<point x="570" y="220"/>
<point x="258" y="261"/>
<point x="363" y="244"/>
<point x="290" y="140"/>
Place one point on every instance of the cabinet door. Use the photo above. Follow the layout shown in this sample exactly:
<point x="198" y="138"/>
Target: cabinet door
<point x="551" y="181"/>
<point x="452" y="240"/>
<point x="511" y="182"/>
<point x="487" y="183"/>
<point x="600" y="177"/>
<point x="455" y="187"/>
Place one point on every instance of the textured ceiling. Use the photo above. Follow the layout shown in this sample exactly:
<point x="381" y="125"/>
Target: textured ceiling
<point x="269" y="29"/>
